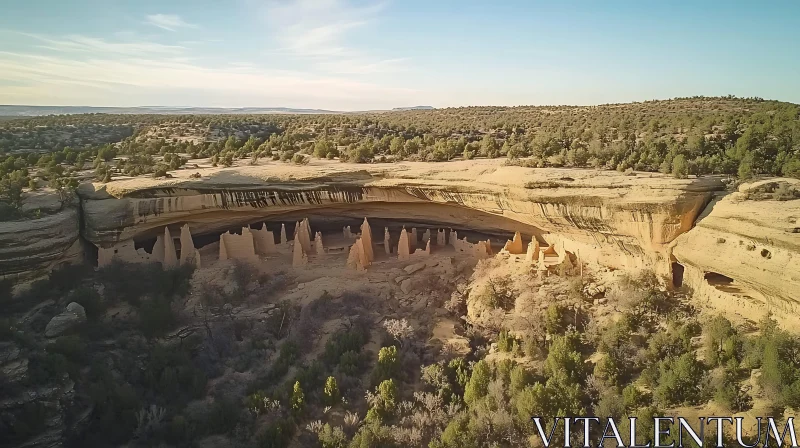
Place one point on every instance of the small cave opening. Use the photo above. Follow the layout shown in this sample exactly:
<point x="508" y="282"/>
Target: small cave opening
<point x="677" y="274"/>
<point x="716" y="279"/>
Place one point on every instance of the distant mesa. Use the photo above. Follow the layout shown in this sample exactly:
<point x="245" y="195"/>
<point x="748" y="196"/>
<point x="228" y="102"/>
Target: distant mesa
<point x="414" y="108"/>
<point x="35" y="111"/>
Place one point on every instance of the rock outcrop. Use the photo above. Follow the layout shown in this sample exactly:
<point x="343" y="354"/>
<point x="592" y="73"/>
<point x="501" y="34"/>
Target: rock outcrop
<point x="73" y="316"/>
<point x="31" y="247"/>
<point x="624" y="222"/>
<point x="744" y="253"/>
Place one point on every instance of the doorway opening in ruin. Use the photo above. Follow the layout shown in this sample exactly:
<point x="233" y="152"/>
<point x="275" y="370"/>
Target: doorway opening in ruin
<point x="677" y="274"/>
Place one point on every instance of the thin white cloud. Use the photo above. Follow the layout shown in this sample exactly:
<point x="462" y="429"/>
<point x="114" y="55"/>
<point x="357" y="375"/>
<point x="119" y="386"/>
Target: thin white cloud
<point x="169" y="22"/>
<point x="143" y="71"/>
<point x="317" y="31"/>
<point x="93" y="45"/>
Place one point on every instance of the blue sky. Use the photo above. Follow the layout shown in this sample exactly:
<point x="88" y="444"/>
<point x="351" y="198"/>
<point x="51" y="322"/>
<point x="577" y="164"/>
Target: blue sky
<point x="365" y="54"/>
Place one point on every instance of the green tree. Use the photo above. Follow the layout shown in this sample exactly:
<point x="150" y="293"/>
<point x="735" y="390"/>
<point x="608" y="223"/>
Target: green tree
<point x="298" y="398"/>
<point x="331" y="391"/>
<point x="478" y="385"/>
<point x="323" y="147"/>
<point x="489" y="146"/>
<point x="387" y="391"/>
<point x="680" y="167"/>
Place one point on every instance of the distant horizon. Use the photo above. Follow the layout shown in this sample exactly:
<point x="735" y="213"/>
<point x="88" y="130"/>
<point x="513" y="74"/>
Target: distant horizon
<point x="359" y="55"/>
<point x="418" y="106"/>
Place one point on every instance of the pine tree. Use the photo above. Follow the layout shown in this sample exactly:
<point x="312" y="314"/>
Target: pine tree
<point x="298" y="398"/>
<point x="331" y="391"/>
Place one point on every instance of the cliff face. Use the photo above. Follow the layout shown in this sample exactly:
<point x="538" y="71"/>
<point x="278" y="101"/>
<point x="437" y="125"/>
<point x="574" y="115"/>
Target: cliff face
<point x="616" y="220"/>
<point x="32" y="247"/>
<point x="744" y="252"/>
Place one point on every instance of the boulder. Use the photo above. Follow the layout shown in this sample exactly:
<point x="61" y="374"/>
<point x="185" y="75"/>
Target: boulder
<point x="73" y="316"/>
<point x="416" y="267"/>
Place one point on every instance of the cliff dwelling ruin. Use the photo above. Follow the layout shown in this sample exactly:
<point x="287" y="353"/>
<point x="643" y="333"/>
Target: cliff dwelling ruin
<point x="334" y="241"/>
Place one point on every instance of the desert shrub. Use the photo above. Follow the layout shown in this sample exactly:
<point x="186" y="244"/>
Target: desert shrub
<point x="634" y="398"/>
<point x="90" y="300"/>
<point x="171" y="373"/>
<point x="498" y="293"/>
<point x="388" y="364"/>
<point x="351" y="340"/>
<point x="223" y="416"/>
<point x="458" y="372"/>
<point x="667" y="344"/>
<point x="680" y="380"/>
<point x="610" y="405"/>
<point x="730" y="395"/>
<point x="48" y="368"/>
<point x="548" y="400"/>
<point x="332" y="437"/>
<point x="352" y="363"/>
<point x="123" y="281"/>
<point x="507" y="343"/>
<point x="156" y="317"/>
<point x="115" y="404"/>
<point x="287" y="355"/>
<point x="459" y="433"/>
<point x="69" y="277"/>
<point x="277" y="434"/>
<point x="478" y="385"/>
<point x="71" y="347"/>
<point x="520" y="378"/>
<point x="331" y="391"/>
<point x="555" y="319"/>
<point x="564" y="362"/>
<point x="722" y="343"/>
<point x="28" y="421"/>
<point x="616" y="339"/>
<point x="608" y="371"/>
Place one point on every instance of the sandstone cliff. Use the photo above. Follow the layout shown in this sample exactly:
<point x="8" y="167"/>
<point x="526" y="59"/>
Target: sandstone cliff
<point x="614" y="219"/>
<point x="744" y="252"/>
<point x="33" y="246"/>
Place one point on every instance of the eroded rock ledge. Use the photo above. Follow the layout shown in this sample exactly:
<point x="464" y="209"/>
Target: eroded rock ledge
<point x="616" y="220"/>
<point x="33" y="246"/>
<point x="744" y="253"/>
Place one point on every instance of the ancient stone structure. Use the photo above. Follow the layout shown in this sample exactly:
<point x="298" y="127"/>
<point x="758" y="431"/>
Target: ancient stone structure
<point x="366" y="238"/>
<point x="453" y="238"/>
<point x="481" y="249"/>
<point x="347" y="233"/>
<point x="237" y="247"/>
<point x="426" y="236"/>
<point x="264" y="241"/>
<point x="189" y="255"/>
<point x="319" y="248"/>
<point x="403" y="246"/>
<point x="357" y="258"/>
<point x="387" y="244"/>
<point x="303" y="230"/>
<point x="514" y="246"/>
<point x="642" y="221"/>
<point x="284" y="240"/>
<point x="532" y="254"/>
<point x="299" y="255"/>
<point x="124" y="252"/>
<point x="440" y="238"/>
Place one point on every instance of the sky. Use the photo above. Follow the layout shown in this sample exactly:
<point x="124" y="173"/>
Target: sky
<point x="379" y="54"/>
